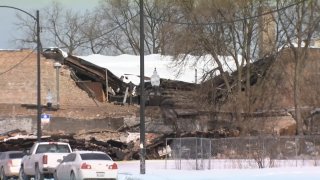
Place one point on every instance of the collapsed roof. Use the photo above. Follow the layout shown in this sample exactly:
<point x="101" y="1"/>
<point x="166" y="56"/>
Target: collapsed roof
<point x="92" y="77"/>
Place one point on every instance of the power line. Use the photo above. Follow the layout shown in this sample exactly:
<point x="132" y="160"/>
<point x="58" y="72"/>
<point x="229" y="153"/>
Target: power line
<point x="109" y="31"/>
<point x="113" y="29"/>
<point x="16" y="65"/>
<point x="227" y="22"/>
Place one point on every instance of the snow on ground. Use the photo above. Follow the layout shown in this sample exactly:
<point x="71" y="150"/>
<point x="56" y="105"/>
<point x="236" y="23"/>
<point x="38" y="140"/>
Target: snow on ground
<point x="155" y="170"/>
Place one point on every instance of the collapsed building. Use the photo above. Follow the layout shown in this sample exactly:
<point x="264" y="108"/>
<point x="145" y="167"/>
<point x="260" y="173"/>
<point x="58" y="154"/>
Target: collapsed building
<point x="83" y="95"/>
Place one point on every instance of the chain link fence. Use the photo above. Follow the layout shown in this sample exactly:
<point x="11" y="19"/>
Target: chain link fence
<point x="242" y="152"/>
<point x="189" y="153"/>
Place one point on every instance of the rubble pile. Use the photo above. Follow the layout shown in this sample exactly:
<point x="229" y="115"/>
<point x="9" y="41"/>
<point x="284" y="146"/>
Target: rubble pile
<point x="120" y="147"/>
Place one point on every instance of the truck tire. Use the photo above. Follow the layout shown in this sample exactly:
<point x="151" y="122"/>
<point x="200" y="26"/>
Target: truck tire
<point x="72" y="176"/>
<point x="38" y="175"/>
<point x="55" y="177"/>
<point x="22" y="175"/>
<point x="3" y="175"/>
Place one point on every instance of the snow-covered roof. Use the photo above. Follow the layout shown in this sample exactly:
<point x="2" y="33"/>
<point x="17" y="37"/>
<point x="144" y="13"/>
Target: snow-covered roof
<point x="128" y="66"/>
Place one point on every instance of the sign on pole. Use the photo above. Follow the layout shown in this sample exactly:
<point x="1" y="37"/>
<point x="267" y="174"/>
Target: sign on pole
<point x="45" y="118"/>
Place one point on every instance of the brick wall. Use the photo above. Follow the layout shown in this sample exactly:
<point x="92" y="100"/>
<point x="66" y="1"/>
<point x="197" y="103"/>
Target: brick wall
<point x="18" y="80"/>
<point x="78" y="111"/>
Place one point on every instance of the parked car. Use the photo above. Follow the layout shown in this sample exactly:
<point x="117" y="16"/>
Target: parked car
<point x="10" y="164"/>
<point x="81" y="165"/>
<point x="42" y="159"/>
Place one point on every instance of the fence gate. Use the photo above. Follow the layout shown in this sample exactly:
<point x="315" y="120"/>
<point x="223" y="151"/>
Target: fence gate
<point x="189" y="153"/>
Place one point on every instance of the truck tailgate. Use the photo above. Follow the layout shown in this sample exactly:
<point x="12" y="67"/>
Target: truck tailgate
<point x="53" y="159"/>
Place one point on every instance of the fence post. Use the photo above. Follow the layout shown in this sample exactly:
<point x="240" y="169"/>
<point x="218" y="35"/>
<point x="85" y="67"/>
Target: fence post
<point x="263" y="153"/>
<point x="166" y="153"/>
<point x="210" y="154"/>
<point x="180" y="154"/>
<point x="296" y="149"/>
<point x="315" y="157"/>
<point x="196" y="154"/>
<point x="201" y="146"/>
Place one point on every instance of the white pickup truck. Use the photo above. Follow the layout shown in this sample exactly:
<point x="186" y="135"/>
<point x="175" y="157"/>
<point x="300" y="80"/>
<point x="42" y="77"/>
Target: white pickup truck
<point x="42" y="159"/>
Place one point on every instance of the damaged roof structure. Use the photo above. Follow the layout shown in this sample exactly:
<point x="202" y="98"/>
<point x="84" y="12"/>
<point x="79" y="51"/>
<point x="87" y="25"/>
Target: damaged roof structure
<point x="115" y="75"/>
<point x="90" y="73"/>
<point x="88" y="76"/>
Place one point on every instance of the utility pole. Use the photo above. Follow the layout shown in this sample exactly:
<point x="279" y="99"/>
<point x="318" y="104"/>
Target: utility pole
<point x="39" y="133"/>
<point x="37" y="20"/>
<point x="142" y="98"/>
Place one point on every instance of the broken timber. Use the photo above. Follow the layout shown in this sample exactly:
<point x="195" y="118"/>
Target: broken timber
<point x="87" y="71"/>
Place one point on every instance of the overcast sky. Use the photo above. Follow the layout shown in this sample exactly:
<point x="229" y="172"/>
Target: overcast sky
<point x="8" y="18"/>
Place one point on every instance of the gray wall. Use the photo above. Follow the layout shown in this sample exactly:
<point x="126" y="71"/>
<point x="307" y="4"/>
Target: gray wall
<point x="12" y="123"/>
<point x="59" y="125"/>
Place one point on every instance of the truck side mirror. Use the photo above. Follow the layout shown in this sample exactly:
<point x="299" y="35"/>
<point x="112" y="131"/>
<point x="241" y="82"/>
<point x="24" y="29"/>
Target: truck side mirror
<point x="26" y="152"/>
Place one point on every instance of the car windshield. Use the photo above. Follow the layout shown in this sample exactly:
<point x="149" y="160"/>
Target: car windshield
<point x="53" y="148"/>
<point x="94" y="156"/>
<point x="16" y="155"/>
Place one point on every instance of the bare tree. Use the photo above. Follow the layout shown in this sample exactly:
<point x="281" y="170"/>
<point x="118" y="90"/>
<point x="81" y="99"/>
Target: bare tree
<point x="59" y="27"/>
<point x="64" y="27"/>
<point x="95" y="30"/>
<point x="156" y="29"/>
<point x="299" y="26"/>
<point x="126" y="39"/>
<point x="112" y="28"/>
<point x="241" y="28"/>
<point x="227" y="31"/>
<point x="28" y="26"/>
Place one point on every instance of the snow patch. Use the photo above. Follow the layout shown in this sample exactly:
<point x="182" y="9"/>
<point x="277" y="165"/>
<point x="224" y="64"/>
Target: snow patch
<point x="128" y="66"/>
